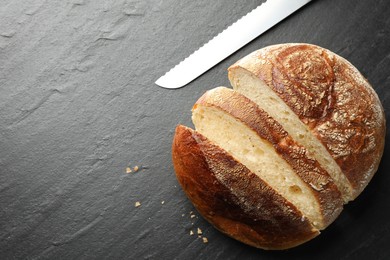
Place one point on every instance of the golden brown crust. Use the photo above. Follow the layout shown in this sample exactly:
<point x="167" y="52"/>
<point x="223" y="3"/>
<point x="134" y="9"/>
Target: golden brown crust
<point x="332" y="98"/>
<point x="308" y="169"/>
<point x="232" y="198"/>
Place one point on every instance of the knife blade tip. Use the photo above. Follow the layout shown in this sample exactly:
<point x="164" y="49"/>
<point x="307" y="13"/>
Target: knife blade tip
<point x="162" y="82"/>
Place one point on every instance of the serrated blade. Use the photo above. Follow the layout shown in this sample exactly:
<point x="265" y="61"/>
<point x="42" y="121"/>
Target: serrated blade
<point x="230" y="40"/>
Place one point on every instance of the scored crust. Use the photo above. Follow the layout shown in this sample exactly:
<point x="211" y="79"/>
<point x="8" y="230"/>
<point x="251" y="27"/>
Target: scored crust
<point x="332" y="98"/>
<point x="233" y="199"/>
<point x="318" y="181"/>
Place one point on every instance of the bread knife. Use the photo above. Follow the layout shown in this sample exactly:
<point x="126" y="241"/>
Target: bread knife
<point x="228" y="41"/>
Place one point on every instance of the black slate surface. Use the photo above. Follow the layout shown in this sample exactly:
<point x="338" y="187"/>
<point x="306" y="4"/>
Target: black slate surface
<point x="78" y="105"/>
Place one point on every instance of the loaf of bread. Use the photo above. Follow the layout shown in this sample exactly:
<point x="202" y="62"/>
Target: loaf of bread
<point x="273" y="160"/>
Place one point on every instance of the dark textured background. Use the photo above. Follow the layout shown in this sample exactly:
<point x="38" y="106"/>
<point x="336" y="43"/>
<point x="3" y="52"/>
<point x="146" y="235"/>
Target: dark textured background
<point x="78" y="105"/>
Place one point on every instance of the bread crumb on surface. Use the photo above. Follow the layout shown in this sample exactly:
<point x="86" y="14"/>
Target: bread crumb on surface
<point x="137" y="204"/>
<point x="193" y="216"/>
<point x="162" y="202"/>
<point x="199" y="231"/>
<point x="136" y="168"/>
<point x="191" y="232"/>
<point x="205" y="240"/>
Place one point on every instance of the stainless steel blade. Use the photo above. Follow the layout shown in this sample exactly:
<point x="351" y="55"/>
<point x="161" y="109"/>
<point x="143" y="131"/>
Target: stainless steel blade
<point x="230" y="40"/>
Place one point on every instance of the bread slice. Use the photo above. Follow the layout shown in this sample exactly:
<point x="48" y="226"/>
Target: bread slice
<point x="323" y="102"/>
<point x="256" y="140"/>
<point x="257" y="90"/>
<point x="232" y="198"/>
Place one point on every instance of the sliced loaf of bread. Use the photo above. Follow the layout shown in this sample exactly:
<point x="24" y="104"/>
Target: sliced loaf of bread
<point x="272" y="162"/>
